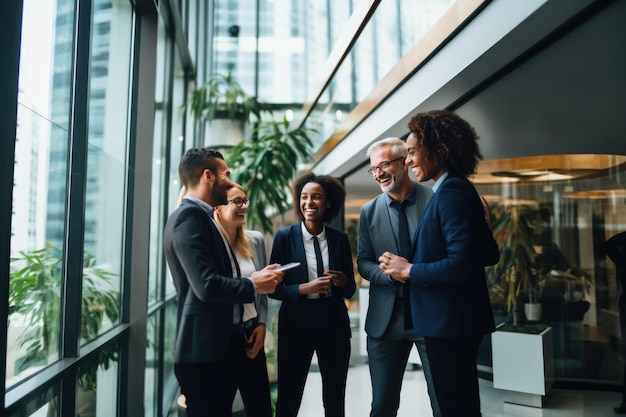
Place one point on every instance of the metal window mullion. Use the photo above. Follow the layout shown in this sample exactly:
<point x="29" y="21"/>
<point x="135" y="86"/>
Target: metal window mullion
<point x="10" y="31"/>
<point x="75" y="202"/>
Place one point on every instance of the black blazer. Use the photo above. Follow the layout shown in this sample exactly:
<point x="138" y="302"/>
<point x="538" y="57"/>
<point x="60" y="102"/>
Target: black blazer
<point x="200" y="266"/>
<point x="288" y="247"/>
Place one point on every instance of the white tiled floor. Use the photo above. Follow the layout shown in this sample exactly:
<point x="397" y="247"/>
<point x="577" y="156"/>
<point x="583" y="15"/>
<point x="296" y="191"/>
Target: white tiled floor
<point x="414" y="399"/>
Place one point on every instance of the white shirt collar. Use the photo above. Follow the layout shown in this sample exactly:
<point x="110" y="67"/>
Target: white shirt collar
<point x="439" y="182"/>
<point x="308" y="236"/>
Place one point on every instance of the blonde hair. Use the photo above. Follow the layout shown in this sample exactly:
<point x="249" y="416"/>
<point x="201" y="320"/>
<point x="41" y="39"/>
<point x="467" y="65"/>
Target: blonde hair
<point x="181" y="195"/>
<point x="242" y="241"/>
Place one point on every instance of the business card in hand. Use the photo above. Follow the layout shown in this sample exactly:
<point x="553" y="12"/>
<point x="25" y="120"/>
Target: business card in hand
<point x="288" y="266"/>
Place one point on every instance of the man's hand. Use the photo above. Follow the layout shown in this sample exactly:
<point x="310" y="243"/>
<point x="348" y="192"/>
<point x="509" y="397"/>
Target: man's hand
<point x="267" y="279"/>
<point x="395" y="266"/>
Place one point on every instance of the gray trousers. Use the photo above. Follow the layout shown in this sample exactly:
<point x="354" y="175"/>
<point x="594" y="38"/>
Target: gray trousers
<point x="387" y="358"/>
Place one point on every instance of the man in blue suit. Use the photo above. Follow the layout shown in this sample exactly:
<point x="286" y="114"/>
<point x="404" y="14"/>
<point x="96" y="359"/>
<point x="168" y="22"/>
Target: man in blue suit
<point x="210" y="344"/>
<point x="388" y="341"/>
<point x="449" y="301"/>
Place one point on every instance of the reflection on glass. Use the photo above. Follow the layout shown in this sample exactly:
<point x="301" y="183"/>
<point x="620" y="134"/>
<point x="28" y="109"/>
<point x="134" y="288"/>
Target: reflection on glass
<point x="394" y="28"/>
<point x="152" y="366"/>
<point x="158" y="211"/>
<point x="106" y="163"/>
<point x="169" y="335"/>
<point x="551" y="216"/>
<point x="97" y="384"/>
<point x="44" y="405"/>
<point x="39" y="188"/>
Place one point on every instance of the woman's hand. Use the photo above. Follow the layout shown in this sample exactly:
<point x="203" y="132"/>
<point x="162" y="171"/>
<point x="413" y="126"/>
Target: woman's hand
<point x="395" y="266"/>
<point x="320" y="285"/>
<point x="256" y="341"/>
<point x="338" y="278"/>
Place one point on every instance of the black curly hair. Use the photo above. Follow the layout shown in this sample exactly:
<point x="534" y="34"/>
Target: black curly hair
<point x="334" y="189"/>
<point x="448" y="139"/>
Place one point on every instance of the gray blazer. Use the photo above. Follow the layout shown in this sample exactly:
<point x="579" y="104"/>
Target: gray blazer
<point x="375" y="237"/>
<point x="259" y="258"/>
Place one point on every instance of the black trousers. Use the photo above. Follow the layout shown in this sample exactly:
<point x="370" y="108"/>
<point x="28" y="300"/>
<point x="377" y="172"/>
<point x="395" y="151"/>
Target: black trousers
<point x="455" y="376"/>
<point x="254" y="386"/>
<point x="210" y="388"/>
<point x="320" y="330"/>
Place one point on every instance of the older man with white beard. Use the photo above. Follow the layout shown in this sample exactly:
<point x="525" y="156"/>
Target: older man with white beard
<point x="388" y="224"/>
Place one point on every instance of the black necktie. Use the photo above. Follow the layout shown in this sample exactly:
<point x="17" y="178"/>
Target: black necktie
<point x="320" y="262"/>
<point x="404" y="238"/>
<point x="318" y="257"/>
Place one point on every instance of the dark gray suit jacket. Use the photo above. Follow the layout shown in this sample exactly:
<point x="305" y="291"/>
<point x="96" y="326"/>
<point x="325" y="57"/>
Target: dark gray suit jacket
<point x="375" y="238"/>
<point x="201" y="270"/>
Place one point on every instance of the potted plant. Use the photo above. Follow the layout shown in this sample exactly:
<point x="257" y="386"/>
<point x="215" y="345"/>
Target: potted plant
<point x="265" y="164"/>
<point x="35" y="296"/>
<point x="225" y="108"/>
<point x="515" y="277"/>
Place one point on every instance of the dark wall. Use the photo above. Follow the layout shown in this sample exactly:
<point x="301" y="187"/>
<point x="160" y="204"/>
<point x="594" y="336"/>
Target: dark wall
<point x="568" y="98"/>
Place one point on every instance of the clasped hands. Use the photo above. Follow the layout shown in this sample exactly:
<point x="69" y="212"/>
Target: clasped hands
<point x="395" y="266"/>
<point x="323" y="284"/>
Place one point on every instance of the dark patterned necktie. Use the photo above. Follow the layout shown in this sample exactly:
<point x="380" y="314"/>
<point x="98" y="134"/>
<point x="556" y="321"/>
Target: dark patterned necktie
<point x="404" y="238"/>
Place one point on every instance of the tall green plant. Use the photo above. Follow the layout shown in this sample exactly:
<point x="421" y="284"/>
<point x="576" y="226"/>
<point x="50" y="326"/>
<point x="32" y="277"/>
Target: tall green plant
<point x="265" y="164"/>
<point x="35" y="286"/>
<point x="516" y="274"/>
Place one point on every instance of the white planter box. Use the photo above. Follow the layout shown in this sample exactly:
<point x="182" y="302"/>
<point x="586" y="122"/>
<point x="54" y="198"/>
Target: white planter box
<point x="523" y="365"/>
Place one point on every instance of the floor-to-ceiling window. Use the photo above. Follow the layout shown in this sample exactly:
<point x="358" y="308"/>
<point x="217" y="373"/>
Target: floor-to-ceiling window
<point x="65" y="334"/>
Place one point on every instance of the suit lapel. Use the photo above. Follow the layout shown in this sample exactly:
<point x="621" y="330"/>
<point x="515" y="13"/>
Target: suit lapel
<point x="425" y="206"/>
<point x="332" y="254"/>
<point x="385" y="224"/>
<point x="297" y="245"/>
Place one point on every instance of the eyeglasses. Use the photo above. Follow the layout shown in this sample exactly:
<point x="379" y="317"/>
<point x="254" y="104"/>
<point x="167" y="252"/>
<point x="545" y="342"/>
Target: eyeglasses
<point x="384" y="166"/>
<point x="239" y="202"/>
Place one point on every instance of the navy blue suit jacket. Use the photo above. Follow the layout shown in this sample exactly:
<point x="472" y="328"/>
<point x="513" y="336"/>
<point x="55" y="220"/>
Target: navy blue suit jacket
<point x="448" y="288"/>
<point x="288" y="246"/>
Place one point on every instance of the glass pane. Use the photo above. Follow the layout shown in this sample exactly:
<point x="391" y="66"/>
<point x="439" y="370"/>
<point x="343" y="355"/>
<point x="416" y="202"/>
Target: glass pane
<point x="158" y="171"/>
<point x="45" y="404"/>
<point x="394" y="28"/>
<point x="168" y="350"/>
<point x="39" y="188"/>
<point x="152" y="365"/>
<point x="106" y="165"/>
<point x="552" y="216"/>
<point x="97" y="387"/>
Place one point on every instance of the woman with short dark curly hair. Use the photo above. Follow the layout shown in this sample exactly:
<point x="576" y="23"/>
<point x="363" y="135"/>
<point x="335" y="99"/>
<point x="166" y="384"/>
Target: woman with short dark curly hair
<point x="313" y="316"/>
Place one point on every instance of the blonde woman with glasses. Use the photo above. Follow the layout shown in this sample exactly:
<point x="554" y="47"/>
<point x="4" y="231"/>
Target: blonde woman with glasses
<point x="249" y="249"/>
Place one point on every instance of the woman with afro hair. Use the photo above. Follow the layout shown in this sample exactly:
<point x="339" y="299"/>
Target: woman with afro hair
<point x="448" y="296"/>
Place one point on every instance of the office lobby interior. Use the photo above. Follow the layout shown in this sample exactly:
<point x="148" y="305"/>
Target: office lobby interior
<point x="97" y="114"/>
